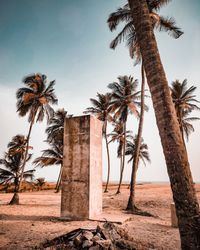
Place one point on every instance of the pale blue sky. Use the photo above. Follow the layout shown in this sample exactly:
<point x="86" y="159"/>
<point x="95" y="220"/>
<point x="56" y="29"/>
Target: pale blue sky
<point x="69" y="41"/>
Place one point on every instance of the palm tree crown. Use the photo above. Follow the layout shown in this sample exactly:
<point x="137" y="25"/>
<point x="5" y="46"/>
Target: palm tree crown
<point x="183" y="97"/>
<point x="184" y="102"/>
<point x="11" y="169"/>
<point x="117" y="135"/>
<point x="13" y="160"/>
<point x="101" y="108"/>
<point x="128" y="32"/>
<point x="124" y="97"/>
<point x="143" y="153"/>
<point x="36" y="97"/>
<point x="17" y="145"/>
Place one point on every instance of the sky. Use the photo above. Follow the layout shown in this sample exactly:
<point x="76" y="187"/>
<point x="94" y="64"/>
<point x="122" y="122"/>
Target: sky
<point x="69" y="42"/>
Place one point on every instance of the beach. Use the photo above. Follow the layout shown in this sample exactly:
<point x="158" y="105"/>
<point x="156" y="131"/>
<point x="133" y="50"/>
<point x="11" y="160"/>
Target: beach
<point x="37" y="218"/>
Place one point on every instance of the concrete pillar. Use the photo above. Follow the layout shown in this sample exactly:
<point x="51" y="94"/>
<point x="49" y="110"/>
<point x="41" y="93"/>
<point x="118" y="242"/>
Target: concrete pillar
<point x="174" y="221"/>
<point x="82" y="168"/>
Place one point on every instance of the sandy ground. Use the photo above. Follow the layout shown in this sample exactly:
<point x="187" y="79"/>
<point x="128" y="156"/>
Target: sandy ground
<point x="37" y="218"/>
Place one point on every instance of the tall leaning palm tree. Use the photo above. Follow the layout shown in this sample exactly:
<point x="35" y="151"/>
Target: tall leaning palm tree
<point x="35" y="100"/>
<point x="101" y="109"/>
<point x="124" y="101"/>
<point x="184" y="102"/>
<point x="187" y="207"/>
<point x="129" y="35"/>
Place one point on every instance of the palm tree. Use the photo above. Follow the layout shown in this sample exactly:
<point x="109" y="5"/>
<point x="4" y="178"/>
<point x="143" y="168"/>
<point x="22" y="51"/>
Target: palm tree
<point x="17" y="145"/>
<point x="187" y="207"/>
<point x="117" y="135"/>
<point x="40" y="182"/>
<point x="186" y="123"/>
<point x="50" y="157"/>
<point x="185" y="102"/>
<point x="16" y="149"/>
<point x="55" y="135"/>
<point x="102" y="110"/>
<point x="124" y="100"/>
<point x="129" y="35"/>
<point x="35" y="100"/>
<point x="55" y="130"/>
<point x="131" y="147"/>
<point x="12" y="172"/>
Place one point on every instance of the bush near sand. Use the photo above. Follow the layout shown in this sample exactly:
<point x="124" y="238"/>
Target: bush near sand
<point x="27" y="187"/>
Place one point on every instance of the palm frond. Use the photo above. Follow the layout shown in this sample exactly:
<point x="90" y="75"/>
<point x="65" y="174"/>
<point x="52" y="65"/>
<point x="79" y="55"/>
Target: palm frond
<point x="169" y="25"/>
<point x="49" y="112"/>
<point x="156" y="4"/>
<point x="101" y="107"/>
<point x="143" y="153"/>
<point x="36" y="98"/>
<point x="5" y="173"/>
<point x="41" y="112"/>
<point x="121" y="15"/>
<point x="184" y="102"/>
<point x="128" y="28"/>
<point x="45" y="161"/>
<point x="21" y="91"/>
<point x="128" y="33"/>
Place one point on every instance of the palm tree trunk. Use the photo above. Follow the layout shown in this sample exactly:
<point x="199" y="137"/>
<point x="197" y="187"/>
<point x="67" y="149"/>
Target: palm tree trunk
<point x="187" y="207"/>
<point x="26" y="151"/>
<point x="58" y="184"/>
<point x="182" y="134"/>
<point x="108" y="158"/>
<point x="180" y="119"/>
<point x="131" y="202"/>
<point x="15" y="198"/>
<point x="121" y="163"/>
<point x="123" y="160"/>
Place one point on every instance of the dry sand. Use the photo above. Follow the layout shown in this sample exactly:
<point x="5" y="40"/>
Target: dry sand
<point x="37" y="218"/>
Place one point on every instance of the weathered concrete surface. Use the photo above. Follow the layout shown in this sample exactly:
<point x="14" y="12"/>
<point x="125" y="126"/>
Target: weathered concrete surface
<point x="82" y="168"/>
